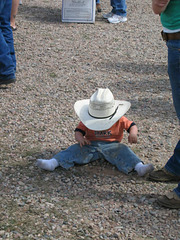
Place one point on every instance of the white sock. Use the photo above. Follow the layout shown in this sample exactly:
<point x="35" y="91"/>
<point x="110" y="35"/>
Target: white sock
<point x="48" y="165"/>
<point x="143" y="169"/>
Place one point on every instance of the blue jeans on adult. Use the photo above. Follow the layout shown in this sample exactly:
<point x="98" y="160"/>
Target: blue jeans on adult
<point x="7" y="53"/>
<point x="173" y="164"/>
<point x="119" y="7"/>
<point x="116" y="153"/>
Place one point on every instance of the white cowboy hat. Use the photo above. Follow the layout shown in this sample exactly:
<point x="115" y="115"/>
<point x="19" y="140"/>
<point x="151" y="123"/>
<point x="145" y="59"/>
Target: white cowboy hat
<point x="101" y="111"/>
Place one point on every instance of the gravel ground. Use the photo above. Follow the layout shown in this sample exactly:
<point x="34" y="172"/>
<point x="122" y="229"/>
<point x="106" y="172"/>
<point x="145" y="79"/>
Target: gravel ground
<point x="57" y="64"/>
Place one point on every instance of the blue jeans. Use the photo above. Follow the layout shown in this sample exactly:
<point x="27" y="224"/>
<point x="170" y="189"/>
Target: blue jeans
<point x="98" y="1"/>
<point x="174" y="72"/>
<point x="7" y="53"/>
<point x="119" y="7"/>
<point x="177" y="190"/>
<point x="173" y="164"/>
<point x="116" y="153"/>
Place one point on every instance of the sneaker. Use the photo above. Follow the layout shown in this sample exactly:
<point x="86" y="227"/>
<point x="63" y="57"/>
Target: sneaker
<point x="107" y="15"/>
<point x="98" y="7"/>
<point x="6" y="82"/>
<point x="170" y="200"/>
<point x="163" y="175"/>
<point x="117" y="19"/>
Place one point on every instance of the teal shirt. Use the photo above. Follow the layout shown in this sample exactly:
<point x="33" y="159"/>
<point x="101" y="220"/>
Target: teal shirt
<point x="170" y="18"/>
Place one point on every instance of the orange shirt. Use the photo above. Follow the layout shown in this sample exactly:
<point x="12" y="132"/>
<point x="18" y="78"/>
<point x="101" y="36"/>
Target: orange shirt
<point x="115" y="133"/>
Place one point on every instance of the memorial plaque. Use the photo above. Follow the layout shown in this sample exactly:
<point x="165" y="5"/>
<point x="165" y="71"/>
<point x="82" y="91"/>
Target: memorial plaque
<point x="82" y="11"/>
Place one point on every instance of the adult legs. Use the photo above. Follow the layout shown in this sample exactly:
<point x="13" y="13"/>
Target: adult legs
<point x="171" y="171"/>
<point x="172" y="199"/>
<point x="119" y="7"/>
<point x="98" y="6"/>
<point x="173" y="164"/>
<point x="118" y="13"/>
<point x="174" y="72"/>
<point x="177" y="190"/>
<point x="14" y="10"/>
<point x="7" y="53"/>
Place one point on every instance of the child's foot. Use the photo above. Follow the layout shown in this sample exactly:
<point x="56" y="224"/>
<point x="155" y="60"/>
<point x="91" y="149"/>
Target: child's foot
<point x="144" y="169"/>
<point x="48" y="165"/>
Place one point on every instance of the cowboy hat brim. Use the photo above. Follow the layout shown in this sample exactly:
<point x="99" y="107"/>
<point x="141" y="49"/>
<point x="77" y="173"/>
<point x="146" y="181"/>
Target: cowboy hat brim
<point x="82" y="110"/>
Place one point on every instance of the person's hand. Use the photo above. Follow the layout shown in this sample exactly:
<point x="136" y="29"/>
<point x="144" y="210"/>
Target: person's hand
<point x="159" y="6"/>
<point x="83" y="141"/>
<point x="132" y="138"/>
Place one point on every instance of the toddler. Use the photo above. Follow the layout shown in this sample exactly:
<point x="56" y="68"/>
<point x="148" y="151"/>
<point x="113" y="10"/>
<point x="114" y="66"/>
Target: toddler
<point x="99" y="135"/>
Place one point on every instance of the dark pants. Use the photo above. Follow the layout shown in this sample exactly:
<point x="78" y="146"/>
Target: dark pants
<point x="173" y="164"/>
<point x="7" y="53"/>
<point x="119" y="7"/>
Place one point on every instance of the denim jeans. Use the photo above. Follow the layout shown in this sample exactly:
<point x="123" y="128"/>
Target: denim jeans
<point x="7" y="53"/>
<point x="174" y="72"/>
<point x="177" y="190"/>
<point x="98" y="1"/>
<point x="116" y="153"/>
<point x="119" y="7"/>
<point x="173" y="164"/>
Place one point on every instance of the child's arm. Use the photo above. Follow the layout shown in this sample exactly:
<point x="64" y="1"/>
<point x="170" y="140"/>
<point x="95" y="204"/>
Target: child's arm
<point x="159" y="6"/>
<point x="81" y="139"/>
<point x="132" y="138"/>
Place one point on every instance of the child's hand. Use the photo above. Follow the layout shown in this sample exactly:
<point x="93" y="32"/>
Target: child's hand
<point x="81" y="139"/>
<point x="132" y="138"/>
<point x="83" y="142"/>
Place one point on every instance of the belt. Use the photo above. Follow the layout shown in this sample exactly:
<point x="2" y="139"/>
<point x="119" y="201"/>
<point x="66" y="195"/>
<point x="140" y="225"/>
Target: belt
<point x="170" y="36"/>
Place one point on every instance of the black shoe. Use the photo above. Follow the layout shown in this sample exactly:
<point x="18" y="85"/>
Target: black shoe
<point x="170" y="200"/>
<point x="6" y="82"/>
<point x="163" y="175"/>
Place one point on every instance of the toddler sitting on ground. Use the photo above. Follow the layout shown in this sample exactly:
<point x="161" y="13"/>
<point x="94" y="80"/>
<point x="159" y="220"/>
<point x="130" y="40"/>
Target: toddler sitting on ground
<point x="99" y="135"/>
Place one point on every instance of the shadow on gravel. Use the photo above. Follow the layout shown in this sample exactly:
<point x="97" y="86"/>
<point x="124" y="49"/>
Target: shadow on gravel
<point x="154" y="86"/>
<point x="42" y="14"/>
<point x="161" y="109"/>
<point x="46" y="14"/>
<point x="94" y="182"/>
<point x="139" y="68"/>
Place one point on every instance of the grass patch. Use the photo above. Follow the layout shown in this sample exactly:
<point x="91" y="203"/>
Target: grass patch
<point x="53" y="75"/>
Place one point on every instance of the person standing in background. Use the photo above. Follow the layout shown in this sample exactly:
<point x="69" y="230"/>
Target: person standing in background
<point x="169" y="11"/>
<point x="14" y="10"/>
<point x="7" y="53"/>
<point x="118" y="13"/>
<point x="98" y="6"/>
